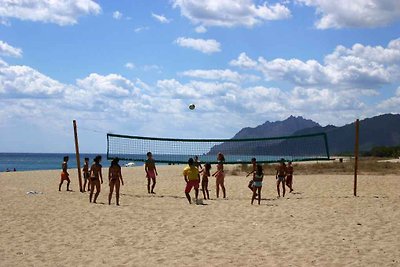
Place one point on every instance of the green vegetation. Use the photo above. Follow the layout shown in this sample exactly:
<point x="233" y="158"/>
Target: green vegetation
<point x="383" y="151"/>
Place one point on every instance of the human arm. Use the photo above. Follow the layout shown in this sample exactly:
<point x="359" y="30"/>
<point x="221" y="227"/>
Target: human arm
<point x="120" y="176"/>
<point x="101" y="175"/>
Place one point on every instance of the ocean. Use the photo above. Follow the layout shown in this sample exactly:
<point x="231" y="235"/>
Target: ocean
<point x="45" y="161"/>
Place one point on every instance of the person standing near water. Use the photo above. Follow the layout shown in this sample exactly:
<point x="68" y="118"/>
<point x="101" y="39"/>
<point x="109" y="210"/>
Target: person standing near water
<point x="95" y="178"/>
<point x="115" y="179"/>
<point x="86" y="175"/>
<point x="280" y="177"/>
<point x="64" y="174"/>
<point x="151" y="172"/>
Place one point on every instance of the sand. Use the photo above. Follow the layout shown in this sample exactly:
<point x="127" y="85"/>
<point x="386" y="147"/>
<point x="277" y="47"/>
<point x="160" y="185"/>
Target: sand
<point x="320" y="224"/>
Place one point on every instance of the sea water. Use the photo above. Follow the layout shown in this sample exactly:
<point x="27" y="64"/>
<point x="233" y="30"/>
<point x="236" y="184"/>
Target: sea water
<point x="45" y="161"/>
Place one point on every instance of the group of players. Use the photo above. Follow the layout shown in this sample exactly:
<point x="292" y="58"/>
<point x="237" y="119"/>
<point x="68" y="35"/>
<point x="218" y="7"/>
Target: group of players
<point x="194" y="175"/>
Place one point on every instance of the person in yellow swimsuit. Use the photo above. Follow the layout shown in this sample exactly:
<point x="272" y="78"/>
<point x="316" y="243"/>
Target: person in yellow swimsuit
<point x="192" y="179"/>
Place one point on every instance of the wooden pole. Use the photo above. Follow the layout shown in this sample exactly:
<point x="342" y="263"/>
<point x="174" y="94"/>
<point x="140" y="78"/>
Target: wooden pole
<point x="356" y="147"/>
<point x="78" y="161"/>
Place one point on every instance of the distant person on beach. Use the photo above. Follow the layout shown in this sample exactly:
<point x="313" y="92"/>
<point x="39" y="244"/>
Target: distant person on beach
<point x="220" y="174"/>
<point x="254" y="168"/>
<point x="95" y="178"/>
<point x="204" y="182"/>
<point x="86" y="175"/>
<point x="289" y="176"/>
<point x="280" y="177"/>
<point x="115" y="179"/>
<point x="192" y="179"/>
<point x="64" y="174"/>
<point x="197" y="163"/>
<point x="151" y="172"/>
<point x="257" y="183"/>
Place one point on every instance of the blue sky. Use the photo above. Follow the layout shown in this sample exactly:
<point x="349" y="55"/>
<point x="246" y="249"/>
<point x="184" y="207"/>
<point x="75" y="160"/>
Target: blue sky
<point x="133" y="67"/>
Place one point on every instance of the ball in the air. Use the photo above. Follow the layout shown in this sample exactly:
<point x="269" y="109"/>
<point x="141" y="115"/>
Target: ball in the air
<point x="192" y="106"/>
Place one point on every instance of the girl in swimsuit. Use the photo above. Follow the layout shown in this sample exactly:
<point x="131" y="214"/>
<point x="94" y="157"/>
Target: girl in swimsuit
<point x="95" y="174"/>
<point x="204" y="181"/>
<point x="257" y="183"/>
<point x="115" y="179"/>
<point x="86" y="175"/>
<point x="220" y="175"/>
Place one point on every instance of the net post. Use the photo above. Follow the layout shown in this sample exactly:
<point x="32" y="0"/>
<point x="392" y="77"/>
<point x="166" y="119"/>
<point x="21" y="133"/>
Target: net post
<point x="326" y="145"/>
<point x="78" y="162"/>
<point x="356" y="148"/>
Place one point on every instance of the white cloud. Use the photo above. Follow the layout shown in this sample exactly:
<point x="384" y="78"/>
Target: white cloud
<point x="129" y="65"/>
<point x="201" y="29"/>
<point x="161" y="18"/>
<point x="117" y="15"/>
<point x="218" y="74"/>
<point x="230" y="13"/>
<point x="140" y="29"/>
<point x="59" y="12"/>
<point x="8" y="50"/>
<point x="112" y="85"/>
<point x="355" y="13"/>
<point x="153" y="67"/>
<point x="208" y="46"/>
<point x="25" y="82"/>
<point x="363" y="67"/>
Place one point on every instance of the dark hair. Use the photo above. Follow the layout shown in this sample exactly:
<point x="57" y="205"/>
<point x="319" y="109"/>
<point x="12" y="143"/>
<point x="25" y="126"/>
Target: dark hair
<point x="207" y="166"/>
<point x="149" y="154"/>
<point x="222" y="156"/>
<point x="190" y="161"/>
<point x="66" y="158"/>
<point x="253" y="159"/>
<point x="114" y="162"/>
<point x="86" y="158"/>
<point x="97" y="159"/>
<point x="259" y="169"/>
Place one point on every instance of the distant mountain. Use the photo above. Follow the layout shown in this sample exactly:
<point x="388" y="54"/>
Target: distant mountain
<point x="382" y="130"/>
<point x="268" y="129"/>
<point x="278" y="128"/>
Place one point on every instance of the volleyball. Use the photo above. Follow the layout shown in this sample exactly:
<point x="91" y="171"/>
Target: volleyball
<point x="192" y="106"/>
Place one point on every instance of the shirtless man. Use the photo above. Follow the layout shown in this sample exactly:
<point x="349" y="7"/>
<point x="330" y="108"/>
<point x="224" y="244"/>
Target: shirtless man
<point x="95" y="177"/>
<point x="280" y="177"/>
<point x="64" y="174"/>
<point x="115" y="179"/>
<point x="151" y="172"/>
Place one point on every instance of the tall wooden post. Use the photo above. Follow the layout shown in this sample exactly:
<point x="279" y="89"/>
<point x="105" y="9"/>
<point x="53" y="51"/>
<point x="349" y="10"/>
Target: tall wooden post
<point x="78" y="161"/>
<point x="356" y="146"/>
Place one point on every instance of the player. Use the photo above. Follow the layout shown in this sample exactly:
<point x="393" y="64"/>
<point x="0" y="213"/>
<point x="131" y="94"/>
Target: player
<point x="64" y="174"/>
<point x="280" y="177"/>
<point x="204" y="182"/>
<point x="254" y="168"/>
<point x="115" y="179"/>
<point x="96" y="178"/>
<point x="289" y="176"/>
<point x="86" y="175"/>
<point x="220" y="175"/>
<point x="151" y="172"/>
<point x="192" y="179"/>
<point x="257" y="183"/>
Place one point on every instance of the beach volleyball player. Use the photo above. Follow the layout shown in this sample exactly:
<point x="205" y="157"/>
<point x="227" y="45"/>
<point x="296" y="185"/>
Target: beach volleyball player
<point x="192" y="179"/>
<point x="151" y="172"/>
<point x="64" y="174"/>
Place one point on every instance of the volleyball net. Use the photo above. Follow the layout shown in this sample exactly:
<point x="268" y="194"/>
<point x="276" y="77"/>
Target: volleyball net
<point x="265" y="150"/>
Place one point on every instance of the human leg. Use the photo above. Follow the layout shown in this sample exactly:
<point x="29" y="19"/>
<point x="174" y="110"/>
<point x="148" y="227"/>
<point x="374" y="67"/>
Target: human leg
<point x="97" y="185"/>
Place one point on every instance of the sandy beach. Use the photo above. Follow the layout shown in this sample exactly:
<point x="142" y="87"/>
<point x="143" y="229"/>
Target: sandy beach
<point x="320" y="224"/>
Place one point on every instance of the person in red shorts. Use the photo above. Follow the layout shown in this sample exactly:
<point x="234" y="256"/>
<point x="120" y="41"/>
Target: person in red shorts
<point x="64" y="174"/>
<point x="151" y="172"/>
<point x="192" y="179"/>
